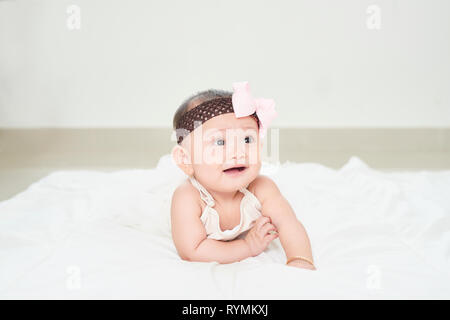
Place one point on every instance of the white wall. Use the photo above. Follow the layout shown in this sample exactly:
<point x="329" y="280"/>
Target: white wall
<point x="133" y="62"/>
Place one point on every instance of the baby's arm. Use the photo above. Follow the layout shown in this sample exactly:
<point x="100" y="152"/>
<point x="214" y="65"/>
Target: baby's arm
<point x="189" y="234"/>
<point x="292" y="234"/>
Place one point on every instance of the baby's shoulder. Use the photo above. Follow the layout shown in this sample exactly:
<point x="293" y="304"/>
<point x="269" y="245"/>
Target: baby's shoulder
<point x="185" y="191"/>
<point x="186" y="198"/>
<point x="264" y="188"/>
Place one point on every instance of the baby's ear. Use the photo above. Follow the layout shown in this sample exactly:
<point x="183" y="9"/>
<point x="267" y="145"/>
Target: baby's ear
<point x="183" y="160"/>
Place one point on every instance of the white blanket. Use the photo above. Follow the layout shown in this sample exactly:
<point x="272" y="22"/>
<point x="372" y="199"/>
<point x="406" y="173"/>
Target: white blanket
<point x="90" y="234"/>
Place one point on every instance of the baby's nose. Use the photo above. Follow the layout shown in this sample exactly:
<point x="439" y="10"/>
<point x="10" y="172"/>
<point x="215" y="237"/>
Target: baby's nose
<point x="237" y="151"/>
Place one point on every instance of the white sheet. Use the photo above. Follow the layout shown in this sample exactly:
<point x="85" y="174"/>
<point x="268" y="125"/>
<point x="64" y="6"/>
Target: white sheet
<point x="89" y="234"/>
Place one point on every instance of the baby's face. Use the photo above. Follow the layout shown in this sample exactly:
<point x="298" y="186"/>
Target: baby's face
<point x="225" y="142"/>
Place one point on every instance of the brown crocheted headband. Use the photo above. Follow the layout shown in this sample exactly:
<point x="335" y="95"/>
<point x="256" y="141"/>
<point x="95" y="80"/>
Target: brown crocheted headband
<point x="203" y="112"/>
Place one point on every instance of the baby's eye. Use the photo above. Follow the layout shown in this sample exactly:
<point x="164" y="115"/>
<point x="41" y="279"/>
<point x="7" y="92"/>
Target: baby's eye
<point x="219" y="142"/>
<point x="249" y="139"/>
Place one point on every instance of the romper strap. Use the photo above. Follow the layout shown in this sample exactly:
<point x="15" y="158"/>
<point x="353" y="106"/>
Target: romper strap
<point x="252" y="196"/>
<point x="204" y="194"/>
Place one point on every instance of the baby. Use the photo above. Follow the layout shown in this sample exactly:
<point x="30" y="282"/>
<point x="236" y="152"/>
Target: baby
<point x="226" y="211"/>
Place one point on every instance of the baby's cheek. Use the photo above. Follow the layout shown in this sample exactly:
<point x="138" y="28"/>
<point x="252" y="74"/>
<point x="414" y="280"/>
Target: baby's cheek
<point x="253" y="154"/>
<point x="213" y="155"/>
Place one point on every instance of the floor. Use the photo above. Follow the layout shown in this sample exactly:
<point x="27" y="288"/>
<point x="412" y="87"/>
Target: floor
<point x="27" y="155"/>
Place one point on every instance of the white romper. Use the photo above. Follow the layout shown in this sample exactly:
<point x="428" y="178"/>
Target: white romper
<point x="250" y="211"/>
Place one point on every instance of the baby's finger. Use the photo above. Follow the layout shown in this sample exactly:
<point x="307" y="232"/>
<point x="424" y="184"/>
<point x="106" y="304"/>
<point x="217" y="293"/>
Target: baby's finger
<point x="270" y="237"/>
<point x="261" y="221"/>
<point x="266" y="228"/>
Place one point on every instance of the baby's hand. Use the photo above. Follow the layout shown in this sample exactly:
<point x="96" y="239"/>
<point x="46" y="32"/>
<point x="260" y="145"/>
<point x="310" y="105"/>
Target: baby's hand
<point x="260" y="235"/>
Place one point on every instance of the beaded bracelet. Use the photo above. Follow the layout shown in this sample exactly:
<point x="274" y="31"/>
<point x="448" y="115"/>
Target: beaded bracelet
<point x="301" y="258"/>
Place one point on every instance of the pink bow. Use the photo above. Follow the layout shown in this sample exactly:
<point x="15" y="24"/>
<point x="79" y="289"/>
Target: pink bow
<point x="244" y="105"/>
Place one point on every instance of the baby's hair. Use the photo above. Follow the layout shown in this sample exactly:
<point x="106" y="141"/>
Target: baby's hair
<point x="196" y="99"/>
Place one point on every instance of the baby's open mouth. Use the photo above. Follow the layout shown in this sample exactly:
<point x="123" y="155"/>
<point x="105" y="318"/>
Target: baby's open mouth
<point x="235" y="169"/>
